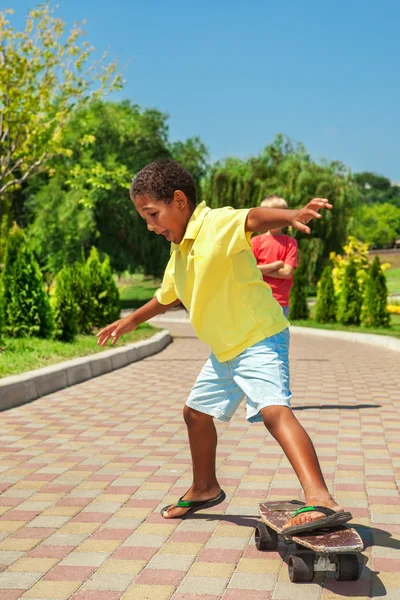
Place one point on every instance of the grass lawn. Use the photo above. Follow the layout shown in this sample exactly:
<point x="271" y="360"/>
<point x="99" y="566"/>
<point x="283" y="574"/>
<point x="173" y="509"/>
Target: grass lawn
<point x="393" y="280"/>
<point x="25" y="354"/>
<point x="137" y="290"/>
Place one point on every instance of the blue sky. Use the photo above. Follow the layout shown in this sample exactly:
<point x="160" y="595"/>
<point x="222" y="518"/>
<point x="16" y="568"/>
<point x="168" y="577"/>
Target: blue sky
<point x="236" y="73"/>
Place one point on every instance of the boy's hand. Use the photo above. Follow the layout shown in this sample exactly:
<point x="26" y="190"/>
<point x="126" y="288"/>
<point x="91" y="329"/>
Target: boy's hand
<point x="308" y="212"/>
<point x="116" y="329"/>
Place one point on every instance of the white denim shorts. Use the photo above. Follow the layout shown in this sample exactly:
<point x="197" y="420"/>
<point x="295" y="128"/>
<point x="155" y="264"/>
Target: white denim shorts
<point x="260" y="374"/>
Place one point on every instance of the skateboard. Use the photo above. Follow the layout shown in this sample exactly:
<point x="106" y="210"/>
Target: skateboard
<point x="336" y="549"/>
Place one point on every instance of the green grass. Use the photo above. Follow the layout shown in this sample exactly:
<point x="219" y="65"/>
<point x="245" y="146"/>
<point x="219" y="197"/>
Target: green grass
<point x="393" y="280"/>
<point x="25" y="354"/>
<point x="136" y="290"/>
<point x="393" y="331"/>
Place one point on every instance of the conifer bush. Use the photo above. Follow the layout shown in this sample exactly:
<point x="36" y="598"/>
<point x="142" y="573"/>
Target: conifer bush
<point x="325" y="310"/>
<point x="350" y="299"/>
<point x="104" y="295"/>
<point x="26" y="306"/>
<point x="374" y="310"/>
<point x="64" y="307"/>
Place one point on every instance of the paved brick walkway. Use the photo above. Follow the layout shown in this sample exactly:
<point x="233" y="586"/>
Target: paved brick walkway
<point x="85" y="471"/>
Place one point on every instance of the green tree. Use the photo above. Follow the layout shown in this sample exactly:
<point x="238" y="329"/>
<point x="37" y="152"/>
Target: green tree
<point x="27" y="309"/>
<point x="88" y="191"/>
<point x="374" y="310"/>
<point x="325" y="310"/>
<point x="46" y="75"/>
<point x="298" y="297"/>
<point x="286" y="169"/>
<point x="64" y="307"/>
<point x="378" y="224"/>
<point x="377" y="189"/>
<point x="63" y="226"/>
<point x="350" y="299"/>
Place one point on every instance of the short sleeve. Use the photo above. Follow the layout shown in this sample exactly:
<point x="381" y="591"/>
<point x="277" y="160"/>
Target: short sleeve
<point x="255" y="244"/>
<point x="166" y="294"/>
<point x="231" y="230"/>
<point x="291" y="253"/>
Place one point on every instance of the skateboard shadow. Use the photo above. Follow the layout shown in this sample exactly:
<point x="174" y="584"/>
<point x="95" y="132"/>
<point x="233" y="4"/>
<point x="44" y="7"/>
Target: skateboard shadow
<point x="334" y="406"/>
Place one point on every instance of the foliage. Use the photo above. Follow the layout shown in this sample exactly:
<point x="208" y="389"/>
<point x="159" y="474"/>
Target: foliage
<point x="375" y="189"/>
<point x="374" y="310"/>
<point x="81" y="293"/>
<point x="108" y="143"/>
<point x="354" y="251"/>
<point x="110" y="301"/>
<point x="325" y="311"/>
<point x="349" y="305"/>
<point x="378" y="224"/>
<point x="46" y="75"/>
<point x="286" y="169"/>
<point x="27" y="309"/>
<point x="104" y="296"/>
<point x="63" y="227"/>
<point x="64" y="307"/>
<point x="298" y="296"/>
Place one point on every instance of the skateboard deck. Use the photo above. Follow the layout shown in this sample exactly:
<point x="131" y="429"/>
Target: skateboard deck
<point x="338" y="539"/>
<point x="336" y="549"/>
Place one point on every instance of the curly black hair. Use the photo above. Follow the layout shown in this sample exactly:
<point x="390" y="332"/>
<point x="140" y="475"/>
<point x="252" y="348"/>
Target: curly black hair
<point x="161" y="178"/>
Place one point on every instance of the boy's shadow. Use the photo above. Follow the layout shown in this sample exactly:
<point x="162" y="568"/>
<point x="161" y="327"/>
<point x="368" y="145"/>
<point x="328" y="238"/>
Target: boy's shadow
<point x="369" y="583"/>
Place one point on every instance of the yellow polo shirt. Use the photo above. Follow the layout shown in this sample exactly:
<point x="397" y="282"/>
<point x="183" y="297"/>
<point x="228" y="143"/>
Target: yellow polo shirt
<point x="213" y="273"/>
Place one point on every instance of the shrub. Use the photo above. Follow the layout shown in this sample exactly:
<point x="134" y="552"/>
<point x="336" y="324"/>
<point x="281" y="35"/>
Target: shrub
<point x="110" y="302"/>
<point x="27" y="311"/>
<point x="325" y="310"/>
<point x="349" y="306"/>
<point x="374" y="310"/>
<point x="104" y="294"/>
<point x="64" y="307"/>
<point x="298" y="297"/>
<point x="81" y="294"/>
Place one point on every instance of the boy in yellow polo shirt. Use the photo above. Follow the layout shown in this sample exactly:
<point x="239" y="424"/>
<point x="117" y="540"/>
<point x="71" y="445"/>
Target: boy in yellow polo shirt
<point x="212" y="271"/>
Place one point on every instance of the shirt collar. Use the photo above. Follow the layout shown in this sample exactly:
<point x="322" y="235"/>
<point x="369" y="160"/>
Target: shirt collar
<point x="193" y="227"/>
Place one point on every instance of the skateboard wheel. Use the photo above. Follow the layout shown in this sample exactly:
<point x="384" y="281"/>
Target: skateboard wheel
<point x="347" y="567"/>
<point x="301" y="568"/>
<point x="266" y="538"/>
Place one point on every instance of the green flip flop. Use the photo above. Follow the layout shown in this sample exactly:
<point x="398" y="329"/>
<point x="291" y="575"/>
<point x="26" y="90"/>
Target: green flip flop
<point x="332" y="519"/>
<point x="194" y="505"/>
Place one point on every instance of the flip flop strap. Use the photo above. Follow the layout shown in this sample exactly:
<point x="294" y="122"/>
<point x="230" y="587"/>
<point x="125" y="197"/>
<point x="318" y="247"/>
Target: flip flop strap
<point x="190" y="503"/>
<point x="323" y="509"/>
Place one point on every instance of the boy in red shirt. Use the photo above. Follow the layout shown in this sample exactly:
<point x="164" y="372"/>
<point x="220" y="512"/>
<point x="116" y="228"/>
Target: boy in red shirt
<point x="276" y="255"/>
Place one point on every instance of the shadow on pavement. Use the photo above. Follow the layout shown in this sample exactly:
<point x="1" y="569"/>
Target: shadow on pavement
<point x="333" y="406"/>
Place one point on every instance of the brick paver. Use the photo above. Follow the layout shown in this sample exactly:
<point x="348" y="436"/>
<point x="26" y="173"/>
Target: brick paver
<point x="85" y="471"/>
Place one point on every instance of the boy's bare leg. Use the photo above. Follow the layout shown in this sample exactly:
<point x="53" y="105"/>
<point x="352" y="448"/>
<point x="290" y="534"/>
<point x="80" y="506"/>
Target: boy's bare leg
<point x="299" y="449"/>
<point x="203" y="447"/>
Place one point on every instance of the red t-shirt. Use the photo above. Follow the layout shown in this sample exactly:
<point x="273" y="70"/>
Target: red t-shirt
<point x="268" y="249"/>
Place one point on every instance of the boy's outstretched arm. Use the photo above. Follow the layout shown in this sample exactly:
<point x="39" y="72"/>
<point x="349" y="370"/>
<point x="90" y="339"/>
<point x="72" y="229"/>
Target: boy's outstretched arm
<point x="130" y="323"/>
<point x="262" y="218"/>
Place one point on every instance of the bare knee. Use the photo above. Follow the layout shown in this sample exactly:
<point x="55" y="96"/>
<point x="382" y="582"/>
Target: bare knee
<point x="274" y="416"/>
<point x="195" y="418"/>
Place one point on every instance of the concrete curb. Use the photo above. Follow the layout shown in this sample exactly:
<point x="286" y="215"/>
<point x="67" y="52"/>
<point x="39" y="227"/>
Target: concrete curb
<point x="21" y="389"/>
<point x="385" y="341"/>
